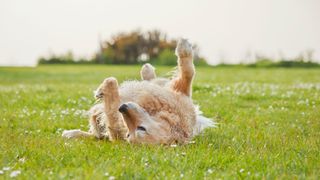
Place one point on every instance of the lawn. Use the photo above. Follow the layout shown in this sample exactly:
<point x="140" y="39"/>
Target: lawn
<point x="269" y="126"/>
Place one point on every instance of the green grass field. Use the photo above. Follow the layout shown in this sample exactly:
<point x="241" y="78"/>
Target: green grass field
<point x="269" y="126"/>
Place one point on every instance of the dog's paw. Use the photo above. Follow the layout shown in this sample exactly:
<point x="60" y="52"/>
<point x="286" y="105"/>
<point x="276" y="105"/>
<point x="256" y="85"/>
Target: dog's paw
<point x="147" y="68"/>
<point x="107" y="84"/>
<point x="71" y="133"/>
<point x="98" y="94"/>
<point x="147" y="72"/>
<point x="110" y="83"/>
<point x="184" y="49"/>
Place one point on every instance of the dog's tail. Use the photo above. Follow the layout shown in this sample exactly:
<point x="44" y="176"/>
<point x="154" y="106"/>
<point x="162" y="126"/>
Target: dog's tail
<point x="202" y="122"/>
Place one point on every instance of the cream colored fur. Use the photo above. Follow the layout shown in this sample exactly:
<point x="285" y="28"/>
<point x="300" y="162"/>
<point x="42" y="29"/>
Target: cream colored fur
<point x="153" y="111"/>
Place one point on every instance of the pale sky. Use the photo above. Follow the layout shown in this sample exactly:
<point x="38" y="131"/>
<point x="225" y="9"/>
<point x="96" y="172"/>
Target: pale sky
<point x="224" y="30"/>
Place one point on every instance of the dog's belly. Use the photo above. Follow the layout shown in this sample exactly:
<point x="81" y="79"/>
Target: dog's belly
<point x="154" y="98"/>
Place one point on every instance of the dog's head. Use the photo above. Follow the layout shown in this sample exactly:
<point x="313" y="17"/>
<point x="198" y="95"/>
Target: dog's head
<point x="160" y="128"/>
<point x="144" y="128"/>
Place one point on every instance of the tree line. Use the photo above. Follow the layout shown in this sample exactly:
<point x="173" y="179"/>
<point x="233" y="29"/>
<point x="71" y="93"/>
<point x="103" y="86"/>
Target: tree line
<point x="134" y="47"/>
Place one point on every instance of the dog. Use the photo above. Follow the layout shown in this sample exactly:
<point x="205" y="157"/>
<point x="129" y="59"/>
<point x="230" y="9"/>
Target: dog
<point x="151" y="111"/>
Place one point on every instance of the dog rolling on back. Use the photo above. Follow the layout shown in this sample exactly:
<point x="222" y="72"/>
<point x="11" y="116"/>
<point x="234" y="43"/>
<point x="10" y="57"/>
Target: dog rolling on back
<point x="153" y="111"/>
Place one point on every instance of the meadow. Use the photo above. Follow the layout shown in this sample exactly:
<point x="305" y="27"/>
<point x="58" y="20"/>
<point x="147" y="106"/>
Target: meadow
<point x="269" y="126"/>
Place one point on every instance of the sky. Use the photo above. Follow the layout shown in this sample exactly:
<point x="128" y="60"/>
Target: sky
<point x="229" y="31"/>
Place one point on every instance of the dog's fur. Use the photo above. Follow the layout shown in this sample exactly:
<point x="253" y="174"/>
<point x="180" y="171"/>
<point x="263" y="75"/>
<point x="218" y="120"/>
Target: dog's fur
<point x="153" y="111"/>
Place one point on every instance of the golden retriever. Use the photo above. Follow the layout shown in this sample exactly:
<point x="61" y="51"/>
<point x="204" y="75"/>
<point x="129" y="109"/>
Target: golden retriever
<point x="153" y="111"/>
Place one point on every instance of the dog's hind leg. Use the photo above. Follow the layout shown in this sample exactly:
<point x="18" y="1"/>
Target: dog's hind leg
<point x="183" y="82"/>
<point x="75" y="133"/>
<point x="147" y="72"/>
<point x="116" y="127"/>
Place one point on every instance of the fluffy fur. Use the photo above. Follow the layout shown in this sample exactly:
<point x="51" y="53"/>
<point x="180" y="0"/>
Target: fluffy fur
<point x="153" y="111"/>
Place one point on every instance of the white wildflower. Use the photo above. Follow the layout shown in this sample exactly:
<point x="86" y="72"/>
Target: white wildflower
<point x="22" y="160"/>
<point x="6" y="168"/>
<point x="15" y="173"/>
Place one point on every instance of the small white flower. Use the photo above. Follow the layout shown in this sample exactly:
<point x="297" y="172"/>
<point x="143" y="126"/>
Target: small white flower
<point x="181" y="175"/>
<point x="6" y="168"/>
<point x="1" y="172"/>
<point x="173" y="145"/>
<point x="241" y="170"/>
<point x="106" y="174"/>
<point x="210" y="171"/>
<point x="112" y="178"/>
<point x="22" y="160"/>
<point x="15" y="173"/>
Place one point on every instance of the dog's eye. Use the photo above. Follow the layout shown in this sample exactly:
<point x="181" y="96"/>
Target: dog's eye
<point x="141" y="128"/>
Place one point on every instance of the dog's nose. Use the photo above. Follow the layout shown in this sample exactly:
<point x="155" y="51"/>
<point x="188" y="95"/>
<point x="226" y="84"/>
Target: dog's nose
<point x="123" y="108"/>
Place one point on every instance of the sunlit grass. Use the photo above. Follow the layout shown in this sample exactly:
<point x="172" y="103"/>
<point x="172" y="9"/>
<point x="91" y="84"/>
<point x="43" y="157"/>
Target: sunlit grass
<point x="269" y="126"/>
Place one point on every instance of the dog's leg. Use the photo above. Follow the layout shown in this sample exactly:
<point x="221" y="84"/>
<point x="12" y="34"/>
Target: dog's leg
<point x="98" y="125"/>
<point x="116" y="127"/>
<point x="75" y="133"/>
<point x="183" y="82"/>
<point x="147" y="72"/>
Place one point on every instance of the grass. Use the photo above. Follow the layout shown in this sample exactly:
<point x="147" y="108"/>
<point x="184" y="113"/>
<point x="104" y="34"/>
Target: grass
<point x="269" y="126"/>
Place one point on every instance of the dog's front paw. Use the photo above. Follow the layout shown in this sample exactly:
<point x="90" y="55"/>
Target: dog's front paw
<point x="71" y="133"/>
<point x="108" y="84"/>
<point x="101" y="90"/>
<point x="98" y="93"/>
<point x="184" y="49"/>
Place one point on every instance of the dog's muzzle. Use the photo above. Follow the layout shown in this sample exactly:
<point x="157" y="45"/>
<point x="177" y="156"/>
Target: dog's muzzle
<point x="123" y="108"/>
